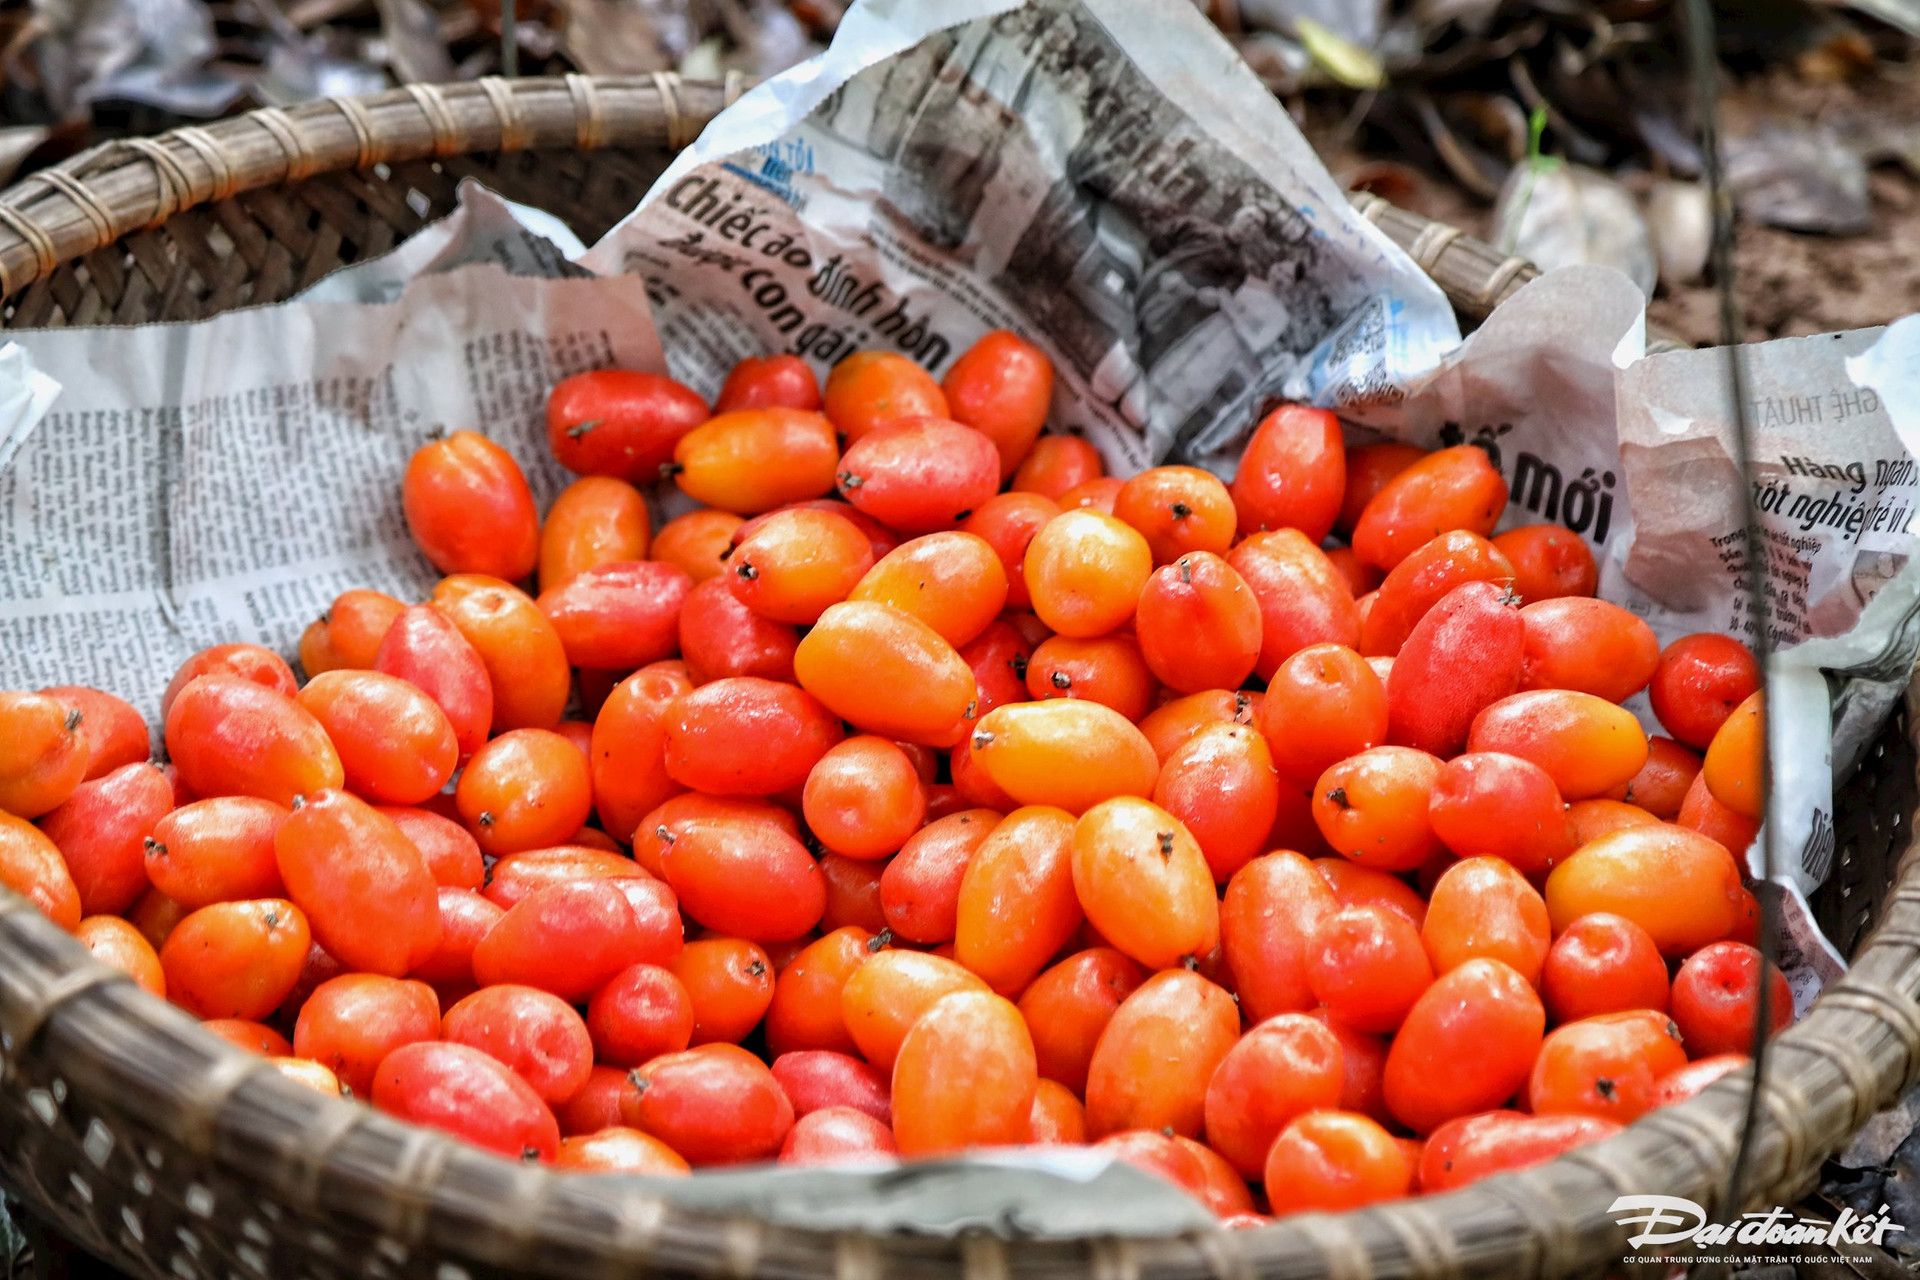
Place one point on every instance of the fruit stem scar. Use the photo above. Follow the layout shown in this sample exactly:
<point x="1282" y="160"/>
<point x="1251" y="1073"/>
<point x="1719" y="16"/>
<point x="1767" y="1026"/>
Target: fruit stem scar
<point x="1339" y="796"/>
<point x="1061" y="680"/>
<point x="485" y="819"/>
<point x="1180" y="510"/>
<point x="982" y="740"/>
<point x="661" y="833"/>
<point x="848" y="480"/>
<point x="580" y="429"/>
<point x="880" y="941"/>
<point x="1186" y="569"/>
<point x="73" y="719"/>
<point x="747" y="571"/>
<point x="1166" y="843"/>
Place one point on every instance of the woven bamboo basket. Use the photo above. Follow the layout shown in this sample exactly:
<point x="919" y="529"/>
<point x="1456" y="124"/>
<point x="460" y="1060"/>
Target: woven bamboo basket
<point x="172" y="1154"/>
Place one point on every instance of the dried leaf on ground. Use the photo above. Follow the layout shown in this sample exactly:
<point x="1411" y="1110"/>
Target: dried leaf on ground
<point x="1800" y="177"/>
<point x="415" y="50"/>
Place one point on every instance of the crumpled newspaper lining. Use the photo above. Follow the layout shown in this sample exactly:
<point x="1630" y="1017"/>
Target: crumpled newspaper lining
<point x="259" y="448"/>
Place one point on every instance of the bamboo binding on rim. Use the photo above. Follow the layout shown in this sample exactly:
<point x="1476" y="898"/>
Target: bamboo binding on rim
<point x="178" y="1155"/>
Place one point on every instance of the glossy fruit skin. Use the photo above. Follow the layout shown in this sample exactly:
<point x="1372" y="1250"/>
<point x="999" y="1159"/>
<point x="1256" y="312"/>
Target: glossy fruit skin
<point x="1699" y="811"/>
<point x="697" y="542"/>
<point x="351" y="1023"/>
<point x="721" y="637"/>
<point x="229" y="736"/>
<point x="254" y="1037"/>
<point x="1462" y="657"/>
<point x="1662" y="784"/>
<point x="527" y="789"/>
<point x="377" y="910"/>
<point x="1603" y="963"/>
<point x="424" y="648"/>
<point x="1293" y="474"/>
<point x="884" y="997"/>
<point x="1591" y="819"/>
<point x="1455" y="488"/>
<point x="754" y="460"/>
<point x="101" y="830"/>
<point x="1700" y="680"/>
<point x="620" y="422"/>
<point x="1489" y="804"/>
<point x="1068" y="1007"/>
<point x="1466" y="1045"/>
<point x="1424" y="578"/>
<point x="1109" y="670"/>
<point x="1199" y="624"/>
<point x="806" y="1012"/>
<point x="1354" y="885"/>
<point x="348" y="635"/>
<point x="919" y="474"/>
<point x="1478" y="1146"/>
<point x="1688" y="1081"/>
<point x="952" y="581"/>
<point x="1735" y="764"/>
<point x="1268" y="916"/>
<point x="887" y="673"/>
<point x="525" y="662"/>
<point x="1059" y="1118"/>
<point x="469" y="508"/>
<point x="396" y="745"/>
<point x="1160" y="1154"/>
<point x="458" y="1089"/>
<point x="235" y="959"/>
<point x="1369" y="467"/>
<point x="114" y="942"/>
<point x="729" y="984"/>
<point x="616" y="617"/>
<point x="796" y="562"/>
<point x="627" y="765"/>
<point x="453" y="855"/>
<point x="1056" y="464"/>
<point x="920" y="889"/>
<point x="818" y="1079"/>
<point x="762" y="382"/>
<point x="1367" y="966"/>
<point x="113" y="732"/>
<point x="1372" y="807"/>
<point x="1679" y="886"/>
<point x="1303" y="599"/>
<point x="870" y="390"/>
<point x="1586" y="744"/>
<point x="519" y="874"/>
<point x="1063" y="752"/>
<point x="1177" y="510"/>
<point x="839" y="1137"/>
<point x="1154" y="1060"/>
<point x="745" y="878"/>
<point x="714" y="1105"/>
<point x="619" y="1149"/>
<point x="747" y="737"/>
<point x="1144" y="883"/>
<point x="965" y="1077"/>
<point x="155" y="915"/>
<point x="1484" y="907"/>
<point x="641" y="1013"/>
<point x="1007" y="522"/>
<point x="537" y="1035"/>
<point x="1323" y="704"/>
<point x="1605" y="1066"/>
<point x="1331" y="1161"/>
<point x="1084" y="572"/>
<point x="1589" y="645"/>
<point x="863" y="798"/>
<point x="1002" y="387"/>
<point x="310" y="1075"/>
<point x="596" y="520"/>
<point x="1716" y="999"/>
<point x="1282" y="1068"/>
<point x="1017" y="904"/>
<point x="1549" y="562"/>
<point x="465" y="918"/>
<point x="569" y="939"/>
<point x="247" y="661"/>
<point x="1222" y="787"/>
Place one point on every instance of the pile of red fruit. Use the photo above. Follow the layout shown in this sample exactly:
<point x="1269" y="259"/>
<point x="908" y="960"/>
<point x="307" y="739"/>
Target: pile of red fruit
<point x="929" y="790"/>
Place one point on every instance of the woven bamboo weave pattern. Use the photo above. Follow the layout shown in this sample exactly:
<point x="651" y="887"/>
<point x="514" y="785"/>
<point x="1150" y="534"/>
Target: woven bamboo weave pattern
<point x="177" y="1155"/>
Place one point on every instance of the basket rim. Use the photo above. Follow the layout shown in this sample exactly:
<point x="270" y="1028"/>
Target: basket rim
<point x="1856" y="1049"/>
